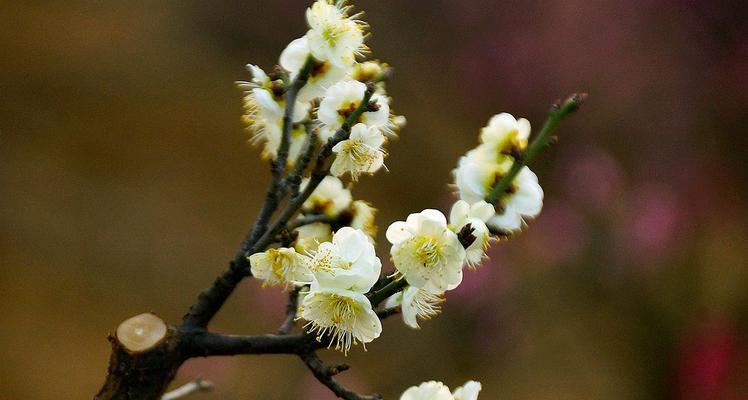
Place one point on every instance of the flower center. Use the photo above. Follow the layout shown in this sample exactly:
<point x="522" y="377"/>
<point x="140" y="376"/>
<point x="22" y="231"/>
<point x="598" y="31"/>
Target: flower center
<point x="343" y="309"/>
<point x="347" y="109"/>
<point x="327" y="261"/>
<point x="359" y="152"/>
<point x="427" y="251"/>
<point x="280" y="262"/>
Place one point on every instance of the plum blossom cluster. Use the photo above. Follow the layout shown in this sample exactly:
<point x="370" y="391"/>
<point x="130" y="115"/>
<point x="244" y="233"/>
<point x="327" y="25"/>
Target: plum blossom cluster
<point x="325" y="99"/>
<point x="327" y="62"/>
<point x="433" y="390"/>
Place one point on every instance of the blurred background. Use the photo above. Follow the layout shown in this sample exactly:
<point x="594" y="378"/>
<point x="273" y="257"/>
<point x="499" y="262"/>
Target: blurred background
<point x="127" y="183"/>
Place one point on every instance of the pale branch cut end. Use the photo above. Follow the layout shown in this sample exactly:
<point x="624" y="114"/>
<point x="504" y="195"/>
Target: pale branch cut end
<point x="141" y="332"/>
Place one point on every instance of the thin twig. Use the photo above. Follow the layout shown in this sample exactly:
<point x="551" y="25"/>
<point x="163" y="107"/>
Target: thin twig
<point x="291" y="308"/>
<point x="388" y="312"/>
<point x="321" y="170"/>
<point x="211" y="299"/>
<point x="308" y="219"/>
<point x="324" y="374"/>
<point x="382" y="294"/>
<point x="557" y="113"/>
<point x="293" y="181"/>
<point x="198" y="385"/>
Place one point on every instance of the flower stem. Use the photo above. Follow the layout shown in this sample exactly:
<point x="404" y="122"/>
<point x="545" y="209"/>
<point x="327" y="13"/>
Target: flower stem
<point x="387" y="291"/>
<point x="543" y="139"/>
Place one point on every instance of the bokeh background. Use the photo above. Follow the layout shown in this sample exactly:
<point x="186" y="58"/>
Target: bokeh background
<point x="126" y="184"/>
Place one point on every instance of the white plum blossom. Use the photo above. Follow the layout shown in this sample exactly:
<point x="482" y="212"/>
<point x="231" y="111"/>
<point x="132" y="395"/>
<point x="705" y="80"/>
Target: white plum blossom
<point x="475" y="179"/>
<point x="282" y="266"/>
<point x="364" y="218"/>
<point x="334" y="36"/>
<point x="426" y="252"/>
<point x="524" y="199"/>
<point x="360" y="153"/>
<point x="323" y="74"/>
<point x="476" y="216"/>
<point x="434" y="390"/>
<point x="416" y="303"/>
<point x="309" y="236"/>
<point x="330" y="198"/>
<point x="264" y="108"/>
<point x="468" y="391"/>
<point x="344" y="270"/>
<point x="342" y="99"/>
<point x="345" y="315"/>
<point x="505" y="134"/>
<point x="431" y="390"/>
<point x="348" y="262"/>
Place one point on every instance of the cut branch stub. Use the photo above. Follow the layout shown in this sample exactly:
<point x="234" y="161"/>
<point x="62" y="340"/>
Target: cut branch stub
<point x="141" y="332"/>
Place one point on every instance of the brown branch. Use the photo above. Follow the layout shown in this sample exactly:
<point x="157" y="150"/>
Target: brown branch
<point x="325" y="374"/>
<point x="206" y="344"/>
<point x="291" y="308"/>
<point x="388" y="312"/>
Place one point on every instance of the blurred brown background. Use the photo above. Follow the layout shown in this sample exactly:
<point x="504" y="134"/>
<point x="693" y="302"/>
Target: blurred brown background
<point x="127" y="184"/>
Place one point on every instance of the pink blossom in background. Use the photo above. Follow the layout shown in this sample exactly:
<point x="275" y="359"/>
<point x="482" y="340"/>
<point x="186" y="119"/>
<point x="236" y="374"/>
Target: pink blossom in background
<point x="707" y="360"/>
<point x="556" y="238"/>
<point x="591" y="178"/>
<point x="219" y="370"/>
<point x="483" y="284"/>
<point x="269" y="302"/>
<point x="652" y="223"/>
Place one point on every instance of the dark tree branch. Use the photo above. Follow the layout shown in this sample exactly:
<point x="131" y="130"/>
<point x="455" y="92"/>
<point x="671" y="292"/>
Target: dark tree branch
<point x="321" y="170"/>
<point x="308" y="219"/>
<point x="325" y="374"/>
<point x="206" y="344"/>
<point x="293" y="181"/>
<point x="382" y="294"/>
<point x="211" y="300"/>
<point x="291" y="309"/>
<point x="388" y="312"/>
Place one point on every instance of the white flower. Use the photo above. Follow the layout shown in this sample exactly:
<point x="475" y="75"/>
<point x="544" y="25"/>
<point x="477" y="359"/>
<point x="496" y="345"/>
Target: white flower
<point x="475" y="179"/>
<point x="323" y="74"/>
<point x="468" y="391"/>
<point x="524" y="199"/>
<point x="426" y="252"/>
<point x="333" y="35"/>
<point x="309" y="237"/>
<point x="345" y="315"/>
<point x="329" y="198"/>
<point x="364" y="218"/>
<point x="342" y="99"/>
<point x="349" y="262"/>
<point x="344" y="270"/>
<point x="505" y="134"/>
<point x="360" y="153"/>
<point x="281" y="266"/>
<point x="416" y="303"/>
<point x="431" y="390"/>
<point x="263" y="115"/>
<point x="476" y="216"/>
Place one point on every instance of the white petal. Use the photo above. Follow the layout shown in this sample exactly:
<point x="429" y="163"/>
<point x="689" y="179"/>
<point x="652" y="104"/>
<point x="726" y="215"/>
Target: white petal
<point x="397" y="232"/>
<point x="524" y="128"/>
<point x="433" y="222"/>
<point x="468" y="391"/>
<point x="295" y="54"/>
<point x="510" y="220"/>
<point x="459" y="213"/>
<point x="482" y="210"/>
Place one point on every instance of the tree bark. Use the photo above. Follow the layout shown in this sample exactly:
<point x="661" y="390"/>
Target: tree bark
<point x="142" y="375"/>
